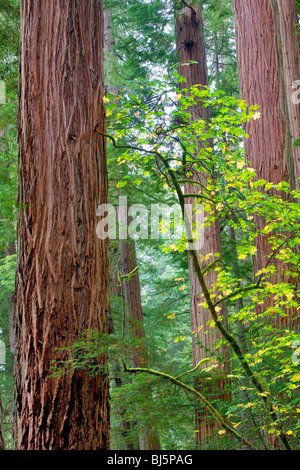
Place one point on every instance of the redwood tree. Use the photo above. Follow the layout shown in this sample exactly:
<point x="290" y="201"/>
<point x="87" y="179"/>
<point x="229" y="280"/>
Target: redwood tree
<point x="288" y="19"/>
<point x="149" y="438"/>
<point x="61" y="281"/>
<point x="265" y="38"/>
<point x="261" y="77"/>
<point x="190" y="44"/>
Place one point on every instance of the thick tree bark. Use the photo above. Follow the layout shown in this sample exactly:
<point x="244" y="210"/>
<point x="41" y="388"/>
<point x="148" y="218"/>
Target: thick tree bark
<point x="149" y="438"/>
<point x="61" y="285"/>
<point x="261" y="75"/>
<point x="264" y="81"/>
<point x="291" y="60"/>
<point x="191" y="47"/>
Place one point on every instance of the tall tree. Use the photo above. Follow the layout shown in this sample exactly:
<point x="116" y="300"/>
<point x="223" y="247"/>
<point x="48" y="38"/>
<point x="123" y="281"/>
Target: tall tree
<point x="62" y="269"/>
<point x="190" y="44"/>
<point x="149" y="438"/>
<point x="288" y="19"/>
<point x="262" y="77"/>
<point x="115" y="301"/>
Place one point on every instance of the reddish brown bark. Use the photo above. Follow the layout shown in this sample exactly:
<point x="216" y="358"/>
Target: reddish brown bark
<point x="133" y="300"/>
<point x="191" y="47"/>
<point x="62" y="286"/>
<point x="264" y="80"/>
<point x="261" y="75"/>
<point x="288" y="19"/>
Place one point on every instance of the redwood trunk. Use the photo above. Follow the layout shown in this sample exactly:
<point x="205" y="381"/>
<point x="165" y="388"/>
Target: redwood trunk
<point x="263" y="60"/>
<point x="288" y="18"/>
<point x="261" y="76"/>
<point x="191" y="47"/>
<point x="62" y="286"/>
<point x="115" y="300"/>
<point x="149" y="438"/>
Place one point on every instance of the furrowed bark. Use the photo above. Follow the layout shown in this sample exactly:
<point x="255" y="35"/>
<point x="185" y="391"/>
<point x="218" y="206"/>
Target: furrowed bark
<point x="61" y="283"/>
<point x="265" y="72"/>
<point x="261" y="77"/>
<point x="288" y="20"/>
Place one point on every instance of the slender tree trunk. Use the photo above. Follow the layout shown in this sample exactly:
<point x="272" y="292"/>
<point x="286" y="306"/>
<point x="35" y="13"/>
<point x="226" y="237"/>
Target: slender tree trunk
<point x="149" y="438"/>
<point x="264" y="82"/>
<point x="61" y="285"/>
<point x="191" y="47"/>
<point x="115" y="302"/>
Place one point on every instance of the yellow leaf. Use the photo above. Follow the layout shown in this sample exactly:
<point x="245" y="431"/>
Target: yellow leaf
<point x="170" y="317"/>
<point x="228" y="292"/>
<point x="236" y="424"/>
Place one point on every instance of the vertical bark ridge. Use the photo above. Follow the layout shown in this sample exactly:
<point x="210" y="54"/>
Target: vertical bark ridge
<point x="61" y="284"/>
<point x="262" y="63"/>
<point x="288" y="20"/>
